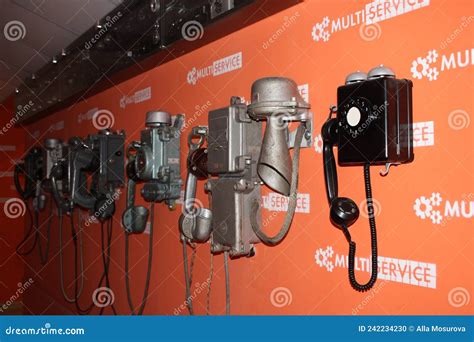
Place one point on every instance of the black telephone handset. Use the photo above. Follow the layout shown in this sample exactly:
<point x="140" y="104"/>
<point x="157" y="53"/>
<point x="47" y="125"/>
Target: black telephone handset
<point x="344" y="211"/>
<point x="373" y="127"/>
<point x="83" y="162"/>
<point x="31" y="169"/>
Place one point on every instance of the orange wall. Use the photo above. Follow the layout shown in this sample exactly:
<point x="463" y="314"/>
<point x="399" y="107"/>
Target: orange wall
<point x="286" y="279"/>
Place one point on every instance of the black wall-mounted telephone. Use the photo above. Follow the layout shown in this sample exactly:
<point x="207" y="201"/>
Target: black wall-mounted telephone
<point x="373" y="127"/>
<point x="32" y="169"/>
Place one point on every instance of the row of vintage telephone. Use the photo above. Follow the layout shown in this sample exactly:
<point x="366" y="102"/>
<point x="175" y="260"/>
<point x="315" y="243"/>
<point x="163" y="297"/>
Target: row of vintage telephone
<point x="372" y="127"/>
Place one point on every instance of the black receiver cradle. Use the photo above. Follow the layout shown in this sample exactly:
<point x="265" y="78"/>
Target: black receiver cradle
<point x="373" y="127"/>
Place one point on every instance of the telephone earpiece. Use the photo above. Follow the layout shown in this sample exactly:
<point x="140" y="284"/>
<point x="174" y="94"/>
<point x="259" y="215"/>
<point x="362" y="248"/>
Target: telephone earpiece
<point x="344" y="212"/>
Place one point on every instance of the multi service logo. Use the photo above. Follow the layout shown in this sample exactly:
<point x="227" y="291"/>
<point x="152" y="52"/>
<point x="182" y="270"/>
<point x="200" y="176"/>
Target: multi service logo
<point x="372" y="13"/>
<point x="219" y="67"/>
<point x="432" y="64"/>
<point x="441" y="211"/>
<point x="139" y="96"/>
<point x="410" y="272"/>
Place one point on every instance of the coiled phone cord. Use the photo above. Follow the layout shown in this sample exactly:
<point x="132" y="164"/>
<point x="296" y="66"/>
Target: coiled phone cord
<point x="272" y="241"/>
<point x="227" y="283"/>
<point x="28" y="235"/>
<point x="188" y="275"/>
<point x="149" y="267"/>
<point x="373" y="240"/>
<point x="44" y="257"/>
<point x="61" y="261"/>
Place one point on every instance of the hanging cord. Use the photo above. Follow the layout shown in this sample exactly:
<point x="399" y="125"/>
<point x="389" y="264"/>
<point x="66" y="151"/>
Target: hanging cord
<point x="227" y="283"/>
<point x="28" y="235"/>
<point x="79" y="309"/>
<point x="106" y="258"/>
<point x="373" y="240"/>
<point x="211" y="275"/>
<point x="149" y="267"/>
<point x="188" y="275"/>
<point x="61" y="261"/>
<point x="44" y="257"/>
<point x="272" y="241"/>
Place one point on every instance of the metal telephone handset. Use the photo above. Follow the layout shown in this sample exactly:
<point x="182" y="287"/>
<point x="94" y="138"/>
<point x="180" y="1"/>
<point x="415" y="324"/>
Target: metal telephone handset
<point x="373" y="127"/>
<point x="195" y="221"/>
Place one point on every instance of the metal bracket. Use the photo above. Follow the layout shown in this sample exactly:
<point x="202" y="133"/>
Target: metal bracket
<point x="308" y="135"/>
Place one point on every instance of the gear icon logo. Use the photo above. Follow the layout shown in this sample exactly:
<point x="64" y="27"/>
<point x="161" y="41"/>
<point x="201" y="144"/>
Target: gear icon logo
<point x="418" y="72"/>
<point x="433" y="74"/>
<point x="428" y="208"/>
<point x="436" y="217"/>
<point x="320" y="31"/>
<point x="323" y="258"/>
<point x="432" y="56"/>
<point x="423" y="207"/>
<point x="192" y="76"/>
<point x="422" y="66"/>
<point x="436" y="198"/>
<point x="318" y="144"/>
